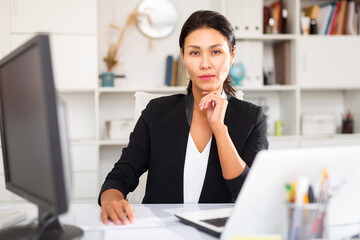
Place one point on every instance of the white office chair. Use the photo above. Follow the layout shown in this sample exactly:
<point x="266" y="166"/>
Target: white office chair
<point x="141" y="100"/>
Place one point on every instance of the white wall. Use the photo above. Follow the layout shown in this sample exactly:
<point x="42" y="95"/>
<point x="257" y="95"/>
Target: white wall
<point x="4" y="27"/>
<point x="143" y="67"/>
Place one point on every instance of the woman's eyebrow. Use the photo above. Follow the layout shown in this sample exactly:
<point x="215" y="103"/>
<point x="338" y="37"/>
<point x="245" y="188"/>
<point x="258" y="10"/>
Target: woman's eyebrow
<point x="193" y="46"/>
<point x="216" y="45"/>
<point x="212" y="46"/>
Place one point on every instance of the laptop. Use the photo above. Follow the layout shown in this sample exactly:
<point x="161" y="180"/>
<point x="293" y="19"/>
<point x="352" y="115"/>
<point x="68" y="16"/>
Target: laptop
<point x="260" y="208"/>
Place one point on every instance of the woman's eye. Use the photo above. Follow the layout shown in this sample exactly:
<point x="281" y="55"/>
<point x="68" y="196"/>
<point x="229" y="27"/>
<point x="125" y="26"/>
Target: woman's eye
<point x="194" y="53"/>
<point x="215" y="52"/>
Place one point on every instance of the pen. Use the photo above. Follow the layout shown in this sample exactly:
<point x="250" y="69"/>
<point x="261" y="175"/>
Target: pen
<point x="288" y="193"/>
<point x="318" y="224"/>
<point x="311" y="196"/>
<point x="306" y="198"/>
<point x="293" y="192"/>
<point x="323" y="177"/>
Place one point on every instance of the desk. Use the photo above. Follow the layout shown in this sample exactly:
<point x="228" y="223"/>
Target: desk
<point x="154" y="221"/>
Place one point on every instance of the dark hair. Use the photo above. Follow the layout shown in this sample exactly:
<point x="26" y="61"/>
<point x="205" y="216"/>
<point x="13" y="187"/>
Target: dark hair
<point x="210" y="19"/>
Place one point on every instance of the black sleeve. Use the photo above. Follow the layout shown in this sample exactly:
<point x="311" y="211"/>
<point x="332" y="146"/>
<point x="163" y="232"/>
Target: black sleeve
<point x="134" y="159"/>
<point x="256" y="141"/>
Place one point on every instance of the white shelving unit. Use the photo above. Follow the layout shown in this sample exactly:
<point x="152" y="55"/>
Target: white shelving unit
<point x="72" y="26"/>
<point x="321" y="86"/>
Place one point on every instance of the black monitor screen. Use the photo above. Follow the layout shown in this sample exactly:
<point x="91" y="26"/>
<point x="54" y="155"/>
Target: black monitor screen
<point x="33" y="136"/>
<point x="25" y="119"/>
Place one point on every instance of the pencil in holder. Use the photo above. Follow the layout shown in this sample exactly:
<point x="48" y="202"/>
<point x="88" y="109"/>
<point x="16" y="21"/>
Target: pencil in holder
<point x="306" y="221"/>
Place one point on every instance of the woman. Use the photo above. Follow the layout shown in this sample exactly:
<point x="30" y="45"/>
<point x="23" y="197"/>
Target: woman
<point x="196" y="147"/>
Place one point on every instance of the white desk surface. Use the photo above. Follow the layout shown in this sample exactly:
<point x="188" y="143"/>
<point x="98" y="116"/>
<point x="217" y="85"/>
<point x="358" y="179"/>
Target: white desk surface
<point x="153" y="221"/>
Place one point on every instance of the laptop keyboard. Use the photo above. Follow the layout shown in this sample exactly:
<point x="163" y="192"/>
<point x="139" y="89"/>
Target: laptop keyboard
<point x="218" y="222"/>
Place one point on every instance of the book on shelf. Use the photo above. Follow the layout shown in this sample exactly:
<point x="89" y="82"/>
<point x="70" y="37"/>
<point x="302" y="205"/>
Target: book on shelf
<point x="335" y="17"/>
<point x="324" y="17"/>
<point x="266" y="18"/>
<point x="181" y="73"/>
<point x="175" y="73"/>
<point x="282" y="63"/>
<point x="275" y="18"/>
<point x="169" y="70"/>
<point x="276" y="15"/>
<point x="352" y="18"/>
<point x="339" y="22"/>
<point x="311" y="11"/>
<point x="357" y="9"/>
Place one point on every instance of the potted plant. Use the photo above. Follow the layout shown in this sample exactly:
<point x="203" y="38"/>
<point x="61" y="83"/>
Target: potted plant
<point x="107" y="78"/>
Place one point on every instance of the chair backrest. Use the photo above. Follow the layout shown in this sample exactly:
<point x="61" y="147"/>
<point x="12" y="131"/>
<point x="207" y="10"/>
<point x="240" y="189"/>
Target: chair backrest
<point x="240" y="95"/>
<point x="141" y="100"/>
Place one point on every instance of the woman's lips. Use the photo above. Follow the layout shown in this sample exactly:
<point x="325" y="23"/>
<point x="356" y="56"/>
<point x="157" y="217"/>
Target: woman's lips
<point x="207" y="76"/>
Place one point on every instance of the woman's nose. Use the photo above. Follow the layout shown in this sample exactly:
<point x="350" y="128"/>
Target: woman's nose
<point x="205" y="63"/>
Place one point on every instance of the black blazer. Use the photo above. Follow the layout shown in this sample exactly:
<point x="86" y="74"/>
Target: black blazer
<point x="158" y="144"/>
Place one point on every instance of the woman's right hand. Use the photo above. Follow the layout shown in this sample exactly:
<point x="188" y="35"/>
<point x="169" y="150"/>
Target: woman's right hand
<point x="116" y="208"/>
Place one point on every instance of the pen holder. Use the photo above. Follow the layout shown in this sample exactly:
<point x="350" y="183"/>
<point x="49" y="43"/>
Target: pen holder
<point x="347" y="126"/>
<point x="306" y="221"/>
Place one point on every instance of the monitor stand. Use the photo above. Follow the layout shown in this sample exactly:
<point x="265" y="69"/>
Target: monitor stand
<point x="49" y="227"/>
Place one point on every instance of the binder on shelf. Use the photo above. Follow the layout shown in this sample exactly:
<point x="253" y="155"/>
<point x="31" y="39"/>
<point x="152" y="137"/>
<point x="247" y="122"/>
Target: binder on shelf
<point x="269" y="65"/>
<point x="169" y="70"/>
<point x="250" y="53"/>
<point x="245" y="16"/>
<point x="282" y="63"/>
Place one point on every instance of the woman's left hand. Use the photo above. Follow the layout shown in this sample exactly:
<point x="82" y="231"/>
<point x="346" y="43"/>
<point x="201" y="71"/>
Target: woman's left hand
<point x="215" y="106"/>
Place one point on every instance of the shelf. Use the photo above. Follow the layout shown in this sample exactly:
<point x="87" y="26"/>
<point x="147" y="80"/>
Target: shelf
<point x="162" y="89"/>
<point x="183" y="89"/>
<point x="354" y="136"/>
<point x="328" y="36"/>
<point x="269" y="88"/>
<point x="283" y="138"/>
<point x="113" y="142"/>
<point x="269" y="37"/>
<point x="329" y="88"/>
<point x="64" y="91"/>
<point x="289" y="37"/>
<point x="82" y="142"/>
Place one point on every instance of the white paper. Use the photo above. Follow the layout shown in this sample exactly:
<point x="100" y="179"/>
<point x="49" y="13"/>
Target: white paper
<point x="165" y="233"/>
<point x="89" y="219"/>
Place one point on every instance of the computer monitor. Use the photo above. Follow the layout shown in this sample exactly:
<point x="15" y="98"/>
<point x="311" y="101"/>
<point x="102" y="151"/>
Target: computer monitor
<point x="34" y="140"/>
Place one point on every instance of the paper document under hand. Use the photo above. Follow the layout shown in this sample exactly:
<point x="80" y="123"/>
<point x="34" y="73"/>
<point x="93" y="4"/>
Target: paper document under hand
<point x="90" y="220"/>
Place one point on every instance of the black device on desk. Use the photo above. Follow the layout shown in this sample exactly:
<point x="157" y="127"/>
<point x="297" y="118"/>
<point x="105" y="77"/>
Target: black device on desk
<point x="34" y="140"/>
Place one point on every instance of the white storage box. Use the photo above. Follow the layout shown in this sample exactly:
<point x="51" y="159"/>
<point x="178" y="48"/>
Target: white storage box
<point x="119" y="129"/>
<point x="318" y="124"/>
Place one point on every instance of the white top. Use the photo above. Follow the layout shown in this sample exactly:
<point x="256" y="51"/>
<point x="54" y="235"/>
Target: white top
<point x="194" y="170"/>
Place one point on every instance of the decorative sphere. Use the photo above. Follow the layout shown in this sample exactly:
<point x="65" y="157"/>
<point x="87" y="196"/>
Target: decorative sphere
<point x="237" y="73"/>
